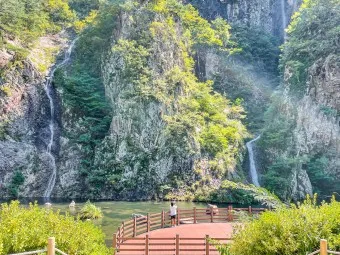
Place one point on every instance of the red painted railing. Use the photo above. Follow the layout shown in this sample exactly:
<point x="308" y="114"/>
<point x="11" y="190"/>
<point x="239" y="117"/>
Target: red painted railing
<point x="130" y="229"/>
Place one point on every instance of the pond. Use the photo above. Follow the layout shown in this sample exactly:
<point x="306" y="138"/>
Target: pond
<point x="116" y="211"/>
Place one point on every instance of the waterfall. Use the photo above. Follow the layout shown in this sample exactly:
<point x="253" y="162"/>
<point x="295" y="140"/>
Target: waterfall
<point x="49" y="91"/>
<point x="284" y="19"/>
<point x="253" y="171"/>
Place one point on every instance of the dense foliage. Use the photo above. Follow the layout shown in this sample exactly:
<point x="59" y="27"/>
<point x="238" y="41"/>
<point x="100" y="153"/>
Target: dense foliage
<point x="230" y="192"/>
<point x="17" y="180"/>
<point x="29" y="19"/>
<point x="294" y="230"/>
<point x="313" y="34"/>
<point x="27" y="229"/>
<point x="258" y="47"/>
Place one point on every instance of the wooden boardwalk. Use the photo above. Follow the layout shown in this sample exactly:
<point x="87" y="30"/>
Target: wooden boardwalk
<point x="191" y="237"/>
<point x="196" y="233"/>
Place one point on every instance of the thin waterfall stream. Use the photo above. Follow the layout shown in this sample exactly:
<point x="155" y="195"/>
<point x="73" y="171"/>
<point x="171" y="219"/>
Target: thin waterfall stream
<point x="284" y="19"/>
<point x="252" y="169"/>
<point x="49" y="92"/>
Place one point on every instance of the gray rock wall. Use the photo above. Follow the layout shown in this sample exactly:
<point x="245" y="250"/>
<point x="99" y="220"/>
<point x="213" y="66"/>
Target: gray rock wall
<point x="266" y="14"/>
<point x="24" y="128"/>
<point x="138" y="139"/>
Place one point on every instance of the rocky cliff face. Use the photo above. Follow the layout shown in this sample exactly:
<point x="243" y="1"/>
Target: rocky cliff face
<point x="138" y="139"/>
<point x="24" y="121"/>
<point x="317" y="124"/>
<point x="314" y="134"/>
<point x="148" y="149"/>
<point x="270" y="15"/>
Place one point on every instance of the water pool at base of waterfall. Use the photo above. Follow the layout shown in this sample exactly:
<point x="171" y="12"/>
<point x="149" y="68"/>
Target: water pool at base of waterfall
<point x="115" y="212"/>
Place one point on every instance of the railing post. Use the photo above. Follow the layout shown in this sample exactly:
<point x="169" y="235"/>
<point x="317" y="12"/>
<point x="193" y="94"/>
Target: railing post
<point x="323" y="247"/>
<point x="229" y="213"/>
<point x="211" y="214"/>
<point x="162" y="219"/>
<point x="134" y="227"/>
<point x="249" y="210"/>
<point x="195" y="217"/>
<point x="123" y="225"/>
<point x="147" y="222"/>
<point x="177" y="244"/>
<point x="51" y="246"/>
<point x="178" y="217"/>
<point x="147" y="245"/>
<point x="207" y="246"/>
<point x="114" y="242"/>
<point x="118" y="236"/>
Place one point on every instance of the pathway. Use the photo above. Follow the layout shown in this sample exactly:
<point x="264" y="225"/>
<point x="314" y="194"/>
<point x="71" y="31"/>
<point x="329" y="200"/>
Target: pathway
<point x="214" y="230"/>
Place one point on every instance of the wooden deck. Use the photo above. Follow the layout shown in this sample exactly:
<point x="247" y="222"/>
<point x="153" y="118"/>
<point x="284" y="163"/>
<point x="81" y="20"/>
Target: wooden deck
<point x="196" y="232"/>
<point x="191" y="239"/>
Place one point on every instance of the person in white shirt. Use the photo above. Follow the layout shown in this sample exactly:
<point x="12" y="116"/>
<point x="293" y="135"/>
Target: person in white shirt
<point x="173" y="213"/>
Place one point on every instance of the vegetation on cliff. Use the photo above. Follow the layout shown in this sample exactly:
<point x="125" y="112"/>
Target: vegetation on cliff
<point x="82" y="86"/>
<point x="203" y="131"/>
<point x="198" y="121"/>
<point x="312" y="36"/>
<point x="29" y="19"/>
<point x="23" y="21"/>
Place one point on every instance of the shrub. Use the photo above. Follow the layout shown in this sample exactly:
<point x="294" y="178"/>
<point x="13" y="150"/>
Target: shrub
<point x="295" y="230"/>
<point x="28" y="229"/>
<point x="90" y="211"/>
<point x="18" y="179"/>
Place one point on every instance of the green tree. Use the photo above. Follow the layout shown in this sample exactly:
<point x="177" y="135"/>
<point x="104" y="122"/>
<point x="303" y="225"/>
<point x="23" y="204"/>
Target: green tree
<point x="17" y="180"/>
<point x="313" y="34"/>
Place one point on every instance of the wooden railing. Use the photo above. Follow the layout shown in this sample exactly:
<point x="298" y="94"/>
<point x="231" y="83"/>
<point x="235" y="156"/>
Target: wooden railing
<point x="324" y="249"/>
<point x="138" y="226"/>
<point x="175" y="245"/>
<point x="51" y="249"/>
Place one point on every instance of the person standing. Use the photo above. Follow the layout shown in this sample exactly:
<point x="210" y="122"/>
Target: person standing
<point x="173" y="214"/>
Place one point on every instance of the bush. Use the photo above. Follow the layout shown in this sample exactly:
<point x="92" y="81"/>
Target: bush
<point x="29" y="228"/>
<point x="90" y="211"/>
<point x="295" y="230"/>
<point x="18" y="179"/>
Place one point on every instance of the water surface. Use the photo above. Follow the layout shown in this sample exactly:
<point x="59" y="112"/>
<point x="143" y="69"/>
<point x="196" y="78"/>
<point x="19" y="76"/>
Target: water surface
<point x="115" y="212"/>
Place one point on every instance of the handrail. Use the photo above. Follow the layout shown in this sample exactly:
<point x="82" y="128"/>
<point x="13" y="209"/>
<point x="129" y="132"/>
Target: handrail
<point x="29" y="252"/>
<point x="323" y="249"/>
<point x="314" y="253"/>
<point x="51" y="249"/>
<point x="61" y="252"/>
<point x="176" y="244"/>
<point x="150" y="222"/>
